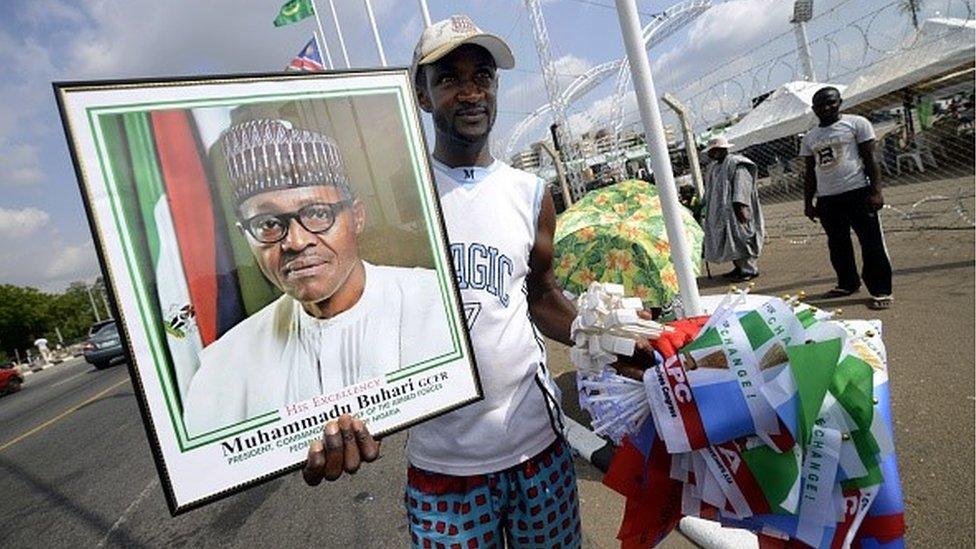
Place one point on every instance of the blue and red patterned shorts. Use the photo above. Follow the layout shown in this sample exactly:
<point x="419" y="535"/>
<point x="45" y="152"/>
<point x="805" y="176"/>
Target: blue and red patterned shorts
<point x="532" y="504"/>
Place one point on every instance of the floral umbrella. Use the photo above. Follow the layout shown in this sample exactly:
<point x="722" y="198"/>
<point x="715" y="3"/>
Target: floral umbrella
<point x="616" y="234"/>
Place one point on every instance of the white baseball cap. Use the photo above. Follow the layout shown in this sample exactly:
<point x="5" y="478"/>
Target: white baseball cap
<point x="443" y="37"/>
<point x="718" y="142"/>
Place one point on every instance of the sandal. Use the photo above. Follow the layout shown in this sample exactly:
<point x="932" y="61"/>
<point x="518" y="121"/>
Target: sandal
<point x="880" y="302"/>
<point x="734" y="273"/>
<point x="744" y="277"/>
<point x="837" y="292"/>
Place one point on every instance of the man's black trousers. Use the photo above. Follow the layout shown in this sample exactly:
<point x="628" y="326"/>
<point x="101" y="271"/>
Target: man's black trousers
<point x="839" y="214"/>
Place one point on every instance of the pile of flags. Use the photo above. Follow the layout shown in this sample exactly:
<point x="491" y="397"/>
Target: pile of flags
<point x="768" y="415"/>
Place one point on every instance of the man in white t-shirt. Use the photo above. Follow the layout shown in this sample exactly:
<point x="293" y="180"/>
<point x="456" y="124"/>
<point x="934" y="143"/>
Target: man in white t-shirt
<point x="842" y="175"/>
<point x="340" y="320"/>
<point x="495" y="473"/>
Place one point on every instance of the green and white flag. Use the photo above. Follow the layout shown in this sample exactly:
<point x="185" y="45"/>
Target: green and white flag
<point x="182" y="333"/>
<point x="294" y="11"/>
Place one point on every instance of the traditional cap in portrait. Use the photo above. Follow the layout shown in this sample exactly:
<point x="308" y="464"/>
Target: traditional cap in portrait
<point x="267" y="155"/>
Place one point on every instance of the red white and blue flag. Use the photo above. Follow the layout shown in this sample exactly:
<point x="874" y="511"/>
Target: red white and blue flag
<point x="309" y="59"/>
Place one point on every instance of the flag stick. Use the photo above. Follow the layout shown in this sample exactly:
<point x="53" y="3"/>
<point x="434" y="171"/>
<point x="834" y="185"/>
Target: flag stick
<point x="342" y="41"/>
<point x="660" y="161"/>
<point x="376" y="32"/>
<point x="425" y="12"/>
<point x="321" y="39"/>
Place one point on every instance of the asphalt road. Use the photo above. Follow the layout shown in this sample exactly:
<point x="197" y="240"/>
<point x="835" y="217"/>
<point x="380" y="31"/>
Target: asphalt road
<point x="76" y="470"/>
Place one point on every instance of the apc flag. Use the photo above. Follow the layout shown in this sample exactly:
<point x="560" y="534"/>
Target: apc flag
<point x="309" y="59"/>
<point x="293" y="11"/>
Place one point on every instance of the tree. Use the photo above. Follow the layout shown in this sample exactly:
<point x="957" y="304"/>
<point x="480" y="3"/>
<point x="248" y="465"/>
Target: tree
<point x="28" y="313"/>
<point x="912" y="8"/>
<point x="23" y="316"/>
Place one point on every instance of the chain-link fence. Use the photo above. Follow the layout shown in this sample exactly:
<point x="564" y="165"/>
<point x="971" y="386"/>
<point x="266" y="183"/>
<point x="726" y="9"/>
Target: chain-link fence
<point x="910" y="74"/>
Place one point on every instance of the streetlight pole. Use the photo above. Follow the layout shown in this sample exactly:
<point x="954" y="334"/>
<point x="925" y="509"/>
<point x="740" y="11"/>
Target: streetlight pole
<point x="91" y="299"/>
<point x="640" y="69"/>
<point x="108" y="310"/>
<point x="803" y="12"/>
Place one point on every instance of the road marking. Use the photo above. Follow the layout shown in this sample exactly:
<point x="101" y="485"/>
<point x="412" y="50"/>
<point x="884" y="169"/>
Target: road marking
<point x="125" y="514"/>
<point x="69" y="379"/>
<point x="62" y="415"/>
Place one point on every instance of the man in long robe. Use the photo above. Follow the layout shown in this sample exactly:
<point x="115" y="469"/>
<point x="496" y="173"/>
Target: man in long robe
<point x="733" y="221"/>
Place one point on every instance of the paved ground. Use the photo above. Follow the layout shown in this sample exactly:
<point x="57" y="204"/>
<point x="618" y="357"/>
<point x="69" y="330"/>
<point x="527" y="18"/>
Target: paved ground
<point x="75" y="467"/>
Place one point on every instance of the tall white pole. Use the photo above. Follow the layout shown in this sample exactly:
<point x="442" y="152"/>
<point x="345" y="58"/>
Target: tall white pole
<point x="425" y="12"/>
<point x="91" y="299"/>
<point x="640" y="69"/>
<point x="321" y="38"/>
<point x="342" y="41"/>
<point x="376" y="32"/>
<point x="803" y="50"/>
<point x="108" y="310"/>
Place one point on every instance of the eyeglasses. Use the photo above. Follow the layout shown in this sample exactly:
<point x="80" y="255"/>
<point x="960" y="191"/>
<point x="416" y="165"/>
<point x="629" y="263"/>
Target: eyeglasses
<point x="315" y="218"/>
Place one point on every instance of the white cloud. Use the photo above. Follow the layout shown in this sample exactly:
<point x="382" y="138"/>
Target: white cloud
<point x="531" y="92"/>
<point x="598" y="115"/>
<point x="19" y="164"/>
<point x="72" y="262"/>
<point x="20" y="223"/>
<point x="43" y="260"/>
<point x="717" y="40"/>
<point x="49" y="10"/>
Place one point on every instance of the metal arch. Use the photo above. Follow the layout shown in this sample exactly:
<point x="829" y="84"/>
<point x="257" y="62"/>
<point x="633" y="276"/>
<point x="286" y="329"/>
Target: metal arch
<point x="667" y="23"/>
<point x="576" y="89"/>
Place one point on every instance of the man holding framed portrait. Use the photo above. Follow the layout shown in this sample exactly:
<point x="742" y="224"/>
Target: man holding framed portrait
<point x="498" y="469"/>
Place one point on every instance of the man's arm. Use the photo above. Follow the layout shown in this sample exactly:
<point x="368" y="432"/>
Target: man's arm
<point x="866" y="151"/>
<point x="549" y="308"/>
<point x="809" y="187"/>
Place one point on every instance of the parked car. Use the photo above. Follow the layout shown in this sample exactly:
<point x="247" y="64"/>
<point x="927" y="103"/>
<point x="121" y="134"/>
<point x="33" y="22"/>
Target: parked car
<point x="99" y="325"/>
<point x="104" y="346"/>
<point x="10" y="378"/>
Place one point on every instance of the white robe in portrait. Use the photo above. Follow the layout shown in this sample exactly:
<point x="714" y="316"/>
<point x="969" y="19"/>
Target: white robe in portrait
<point x="281" y="354"/>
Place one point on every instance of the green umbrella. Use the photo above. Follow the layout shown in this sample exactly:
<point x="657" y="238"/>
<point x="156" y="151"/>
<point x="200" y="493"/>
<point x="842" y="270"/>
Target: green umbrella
<point x="616" y="234"/>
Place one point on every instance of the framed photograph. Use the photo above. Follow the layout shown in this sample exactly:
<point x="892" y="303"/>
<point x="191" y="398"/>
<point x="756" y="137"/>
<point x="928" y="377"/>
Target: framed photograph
<point x="277" y="257"/>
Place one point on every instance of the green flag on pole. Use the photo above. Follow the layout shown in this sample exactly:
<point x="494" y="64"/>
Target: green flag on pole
<point x="293" y="11"/>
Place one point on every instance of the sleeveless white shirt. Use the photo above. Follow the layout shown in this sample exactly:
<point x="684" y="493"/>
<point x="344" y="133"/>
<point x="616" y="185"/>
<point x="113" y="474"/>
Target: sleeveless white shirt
<point x="491" y="216"/>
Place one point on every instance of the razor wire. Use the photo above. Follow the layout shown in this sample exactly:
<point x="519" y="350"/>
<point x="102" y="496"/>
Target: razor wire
<point x="709" y="97"/>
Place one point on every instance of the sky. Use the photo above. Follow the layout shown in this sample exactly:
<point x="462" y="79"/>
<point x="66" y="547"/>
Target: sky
<point x="46" y="242"/>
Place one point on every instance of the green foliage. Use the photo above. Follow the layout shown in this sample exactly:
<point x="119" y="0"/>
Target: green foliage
<point x="28" y="313"/>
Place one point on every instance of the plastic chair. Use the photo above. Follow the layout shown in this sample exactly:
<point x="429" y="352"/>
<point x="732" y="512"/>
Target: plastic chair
<point x="910" y="155"/>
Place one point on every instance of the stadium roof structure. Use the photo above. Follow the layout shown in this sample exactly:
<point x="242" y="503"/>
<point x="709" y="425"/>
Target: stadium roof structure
<point x="785" y="112"/>
<point x="942" y="49"/>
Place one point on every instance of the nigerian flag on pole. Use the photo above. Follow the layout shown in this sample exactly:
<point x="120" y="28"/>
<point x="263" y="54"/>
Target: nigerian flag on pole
<point x="293" y="11"/>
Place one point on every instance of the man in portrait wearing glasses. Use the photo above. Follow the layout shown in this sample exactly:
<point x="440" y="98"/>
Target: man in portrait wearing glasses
<point x="341" y="320"/>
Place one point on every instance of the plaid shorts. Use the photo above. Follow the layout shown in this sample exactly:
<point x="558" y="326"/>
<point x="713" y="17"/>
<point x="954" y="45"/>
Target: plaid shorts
<point x="532" y="504"/>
